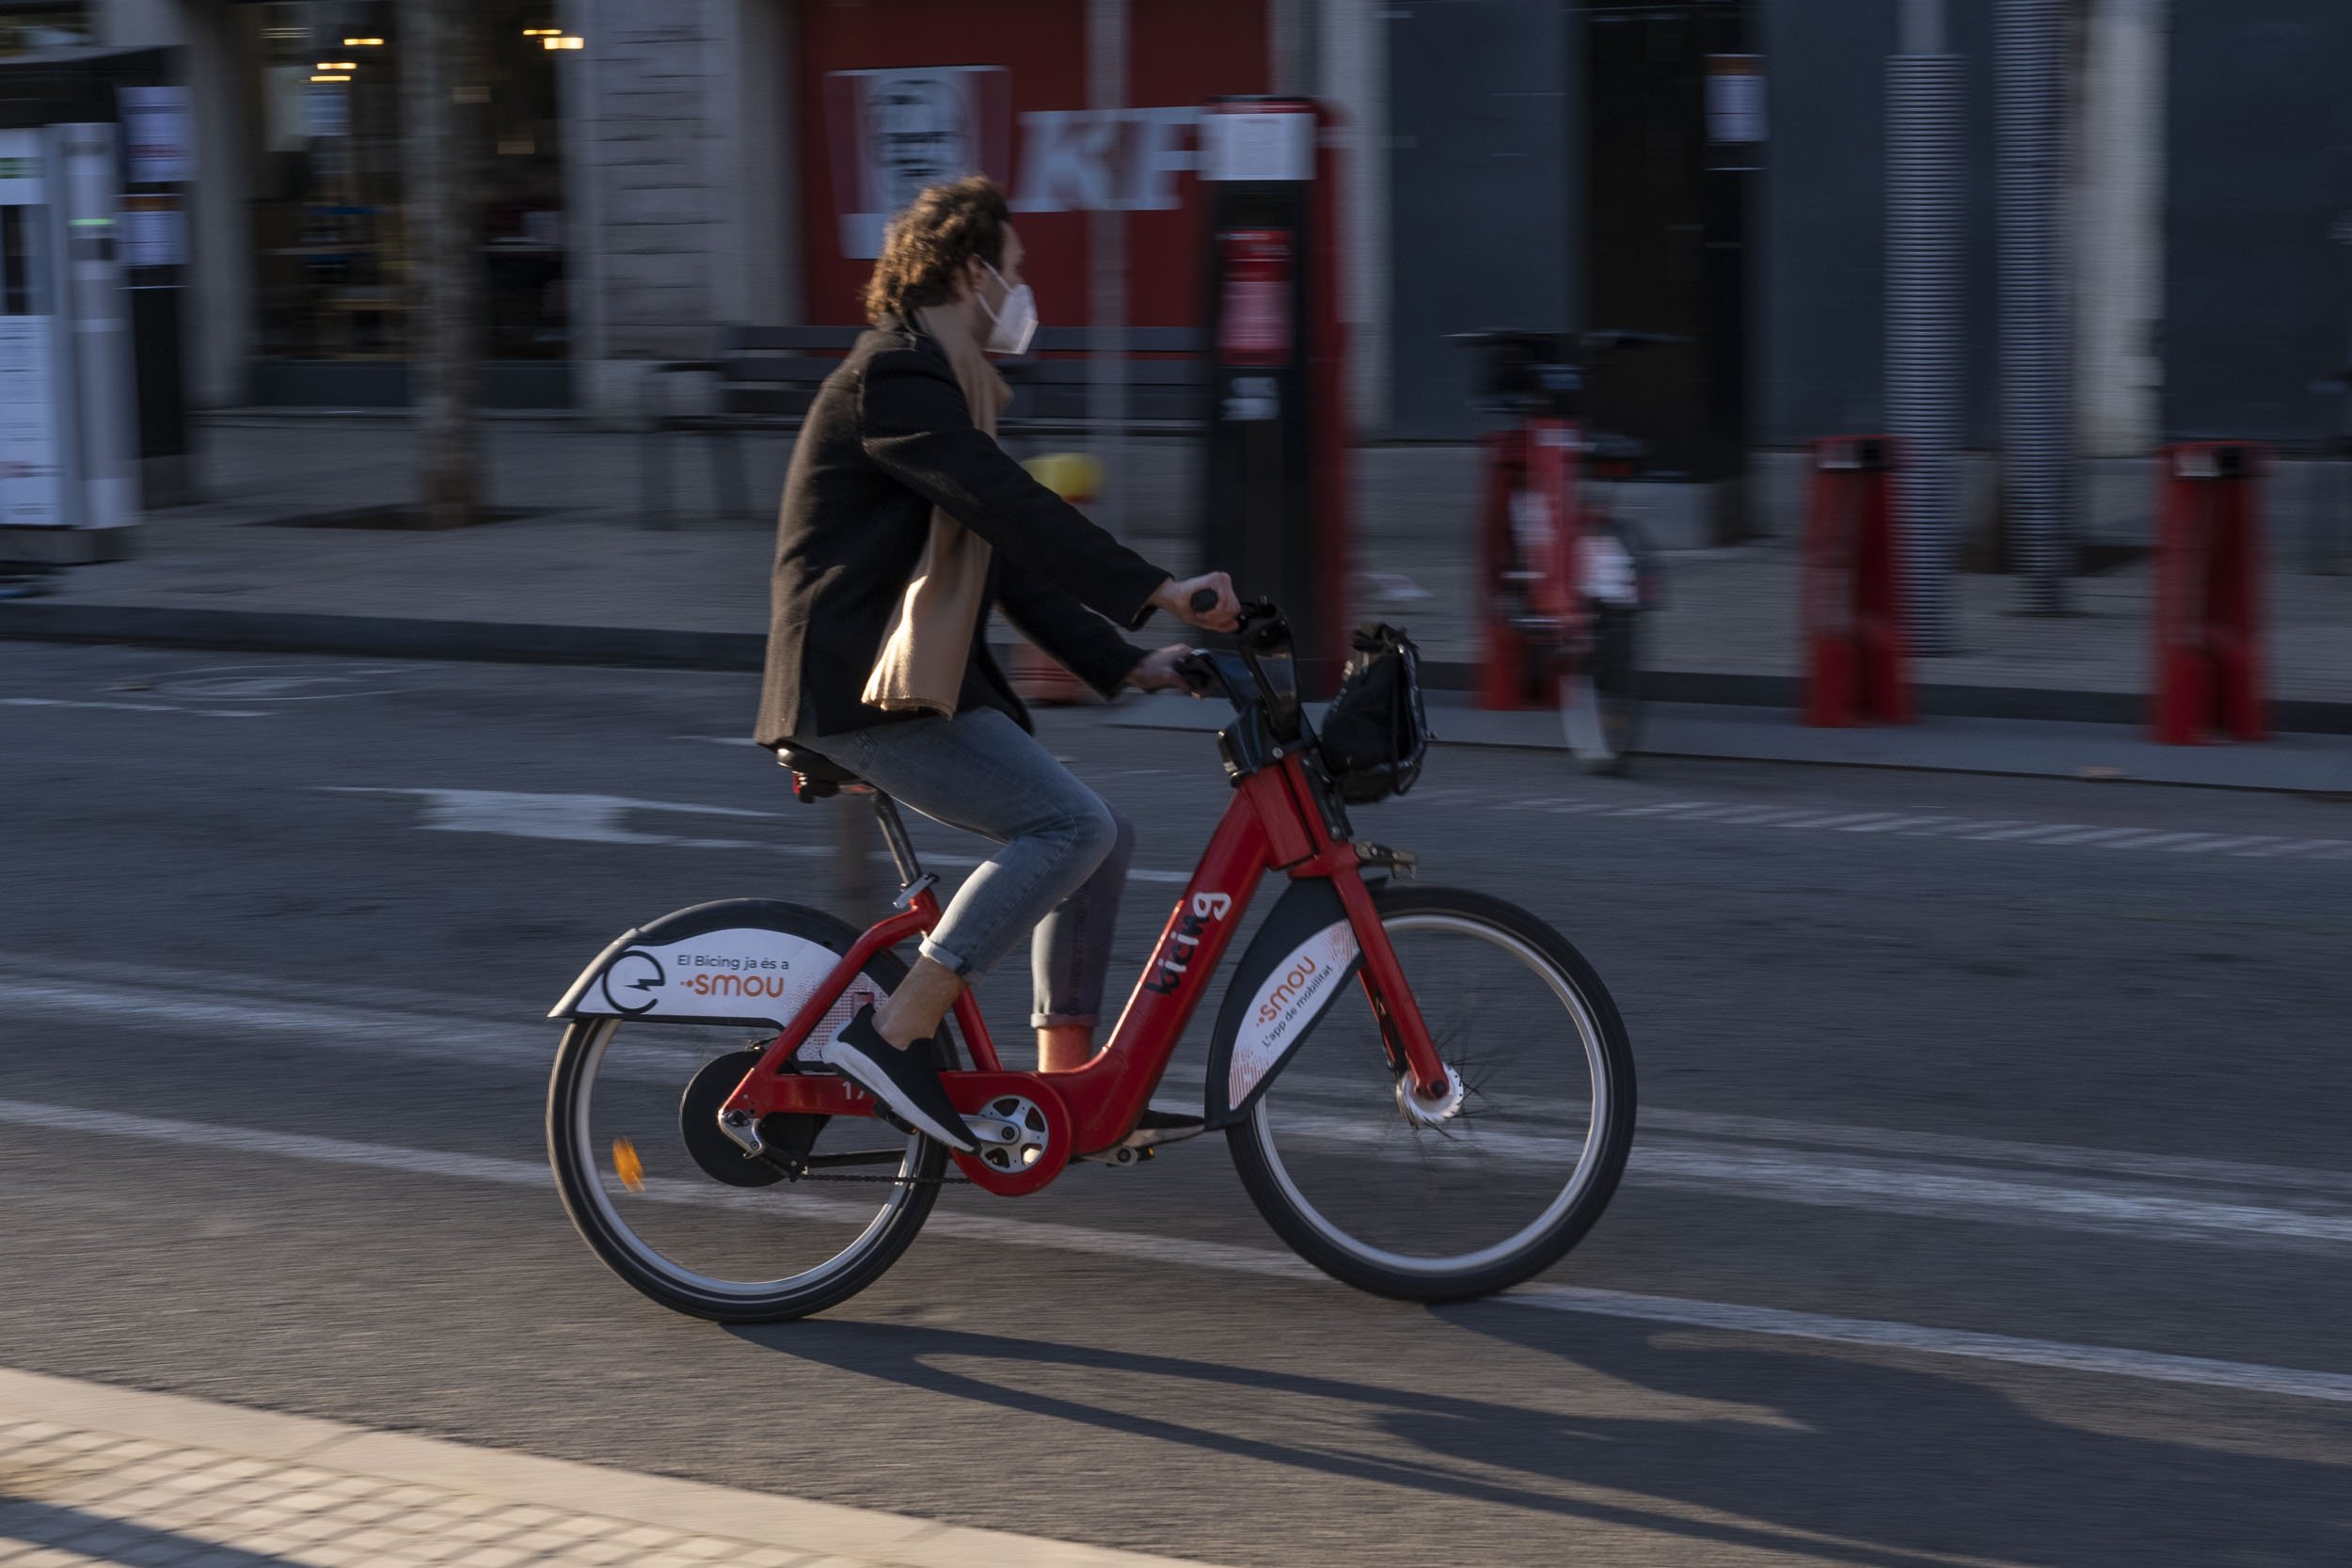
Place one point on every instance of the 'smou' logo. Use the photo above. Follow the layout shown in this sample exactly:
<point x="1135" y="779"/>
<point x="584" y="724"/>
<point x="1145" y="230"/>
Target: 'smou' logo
<point x="1296" y="983"/>
<point x="740" y="985"/>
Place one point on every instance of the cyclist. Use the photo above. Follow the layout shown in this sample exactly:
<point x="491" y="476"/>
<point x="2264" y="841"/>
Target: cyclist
<point x="902" y="526"/>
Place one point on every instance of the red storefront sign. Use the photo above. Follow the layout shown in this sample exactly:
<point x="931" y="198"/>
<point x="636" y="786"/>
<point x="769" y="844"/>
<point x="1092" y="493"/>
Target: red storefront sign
<point x="896" y="94"/>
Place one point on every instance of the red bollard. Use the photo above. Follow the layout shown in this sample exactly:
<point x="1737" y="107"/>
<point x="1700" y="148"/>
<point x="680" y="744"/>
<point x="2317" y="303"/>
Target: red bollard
<point x="1853" y="618"/>
<point x="2208" y="609"/>
<point x="1516" y="672"/>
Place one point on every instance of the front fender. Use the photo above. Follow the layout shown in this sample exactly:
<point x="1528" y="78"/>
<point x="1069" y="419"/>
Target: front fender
<point x="1300" y="959"/>
<point x="752" y="961"/>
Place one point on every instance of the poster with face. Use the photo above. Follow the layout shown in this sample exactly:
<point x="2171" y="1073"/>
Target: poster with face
<point x="894" y="132"/>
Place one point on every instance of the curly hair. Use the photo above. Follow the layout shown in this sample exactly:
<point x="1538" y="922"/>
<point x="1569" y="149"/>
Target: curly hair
<point x="924" y="249"/>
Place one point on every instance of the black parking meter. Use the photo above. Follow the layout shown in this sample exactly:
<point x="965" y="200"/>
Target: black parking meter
<point x="1274" y="494"/>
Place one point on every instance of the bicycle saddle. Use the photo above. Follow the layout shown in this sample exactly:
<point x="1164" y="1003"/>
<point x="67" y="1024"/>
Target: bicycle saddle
<point x="814" y="777"/>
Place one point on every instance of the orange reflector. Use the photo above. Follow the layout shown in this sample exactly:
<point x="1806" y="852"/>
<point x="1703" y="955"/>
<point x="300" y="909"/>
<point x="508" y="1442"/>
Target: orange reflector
<point x="628" y="1166"/>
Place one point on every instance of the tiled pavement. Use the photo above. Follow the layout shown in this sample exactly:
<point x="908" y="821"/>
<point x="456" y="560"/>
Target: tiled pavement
<point x="95" y="1475"/>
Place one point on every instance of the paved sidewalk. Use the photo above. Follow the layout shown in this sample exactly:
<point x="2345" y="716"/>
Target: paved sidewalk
<point x="2025" y="748"/>
<point x="91" y="1474"/>
<point x="580" y="579"/>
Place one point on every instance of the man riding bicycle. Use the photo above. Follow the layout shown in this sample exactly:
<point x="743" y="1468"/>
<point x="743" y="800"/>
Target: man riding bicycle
<point x="902" y="526"/>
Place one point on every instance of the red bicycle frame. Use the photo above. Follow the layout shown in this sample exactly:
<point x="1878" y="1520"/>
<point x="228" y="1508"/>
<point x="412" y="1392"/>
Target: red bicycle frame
<point x="1273" y="822"/>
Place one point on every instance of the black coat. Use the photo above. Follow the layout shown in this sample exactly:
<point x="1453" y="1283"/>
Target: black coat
<point x="887" y="438"/>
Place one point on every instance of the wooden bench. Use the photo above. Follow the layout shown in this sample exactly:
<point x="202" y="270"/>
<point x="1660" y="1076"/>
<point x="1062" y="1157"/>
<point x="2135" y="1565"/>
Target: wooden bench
<point x="767" y="375"/>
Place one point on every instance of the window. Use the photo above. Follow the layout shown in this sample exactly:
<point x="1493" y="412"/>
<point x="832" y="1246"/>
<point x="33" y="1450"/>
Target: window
<point x="332" y="258"/>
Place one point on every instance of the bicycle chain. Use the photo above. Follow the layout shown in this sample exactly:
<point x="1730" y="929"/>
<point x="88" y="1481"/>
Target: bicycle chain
<point x="884" y="1181"/>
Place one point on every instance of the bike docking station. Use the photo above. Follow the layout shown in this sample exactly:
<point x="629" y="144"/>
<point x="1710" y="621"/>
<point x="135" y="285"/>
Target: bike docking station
<point x="1527" y="519"/>
<point x="69" y="486"/>
<point x="2208" y="594"/>
<point x="1852" y="601"/>
<point x="1274" y="495"/>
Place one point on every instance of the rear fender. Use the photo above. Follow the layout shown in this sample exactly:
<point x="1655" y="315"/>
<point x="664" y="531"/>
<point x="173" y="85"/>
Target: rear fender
<point x="1301" y="958"/>
<point x="753" y="961"/>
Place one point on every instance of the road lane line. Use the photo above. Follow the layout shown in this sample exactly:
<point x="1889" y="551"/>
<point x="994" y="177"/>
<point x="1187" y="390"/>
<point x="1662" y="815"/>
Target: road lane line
<point x="2143" y="1365"/>
<point x="1821" y="1179"/>
<point x="529" y="1042"/>
<point x="133" y="708"/>
<point x="579" y="818"/>
<point x="2100" y="1360"/>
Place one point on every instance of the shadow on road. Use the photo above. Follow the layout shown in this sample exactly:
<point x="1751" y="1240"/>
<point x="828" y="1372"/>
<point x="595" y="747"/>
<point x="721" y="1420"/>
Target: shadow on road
<point x="1768" y="1445"/>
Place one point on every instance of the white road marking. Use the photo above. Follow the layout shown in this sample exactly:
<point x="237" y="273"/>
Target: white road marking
<point x="1987" y="830"/>
<point x="1820" y="1179"/>
<point x="599" y="819"/>
<point x="2241" y="1206"/>
<point x="132" y="708"/>
<point x="2098" y="1360"/>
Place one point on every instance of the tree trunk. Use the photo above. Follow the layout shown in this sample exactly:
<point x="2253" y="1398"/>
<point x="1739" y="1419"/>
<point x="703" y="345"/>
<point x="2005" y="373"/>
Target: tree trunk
<point x="441" y="250"/>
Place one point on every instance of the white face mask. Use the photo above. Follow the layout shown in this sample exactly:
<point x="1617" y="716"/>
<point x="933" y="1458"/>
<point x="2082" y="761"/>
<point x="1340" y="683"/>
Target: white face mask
<point x="1014" y="323"/>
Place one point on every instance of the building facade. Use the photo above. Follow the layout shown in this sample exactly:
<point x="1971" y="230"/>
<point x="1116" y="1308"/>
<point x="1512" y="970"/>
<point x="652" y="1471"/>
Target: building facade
<point x="1553" y="164"/>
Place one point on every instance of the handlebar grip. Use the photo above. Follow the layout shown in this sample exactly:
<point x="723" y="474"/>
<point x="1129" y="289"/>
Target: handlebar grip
<point x="1203" y="600"/>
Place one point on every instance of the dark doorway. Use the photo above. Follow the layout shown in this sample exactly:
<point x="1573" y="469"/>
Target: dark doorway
<point x="1666" y="228"/>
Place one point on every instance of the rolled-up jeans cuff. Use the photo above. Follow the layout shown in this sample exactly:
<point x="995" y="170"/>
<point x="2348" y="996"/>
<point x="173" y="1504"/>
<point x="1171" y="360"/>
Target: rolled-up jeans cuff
<point x="1063" y="1021"/>
<point x="950" y="961"/>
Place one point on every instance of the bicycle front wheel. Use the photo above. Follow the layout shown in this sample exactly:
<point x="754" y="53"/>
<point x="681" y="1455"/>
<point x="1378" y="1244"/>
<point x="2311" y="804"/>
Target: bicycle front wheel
<point x="1440" y="1204"/>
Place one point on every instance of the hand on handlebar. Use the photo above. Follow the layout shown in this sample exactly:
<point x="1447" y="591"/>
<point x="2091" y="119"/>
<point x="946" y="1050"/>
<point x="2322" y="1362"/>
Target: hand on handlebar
<point x="1206" y="601"/>
<point x="1162" y="670"/>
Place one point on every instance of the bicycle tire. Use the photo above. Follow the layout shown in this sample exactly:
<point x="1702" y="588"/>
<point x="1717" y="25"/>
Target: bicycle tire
<point x="573" y="1151"/>
<point x="1256" y="1144"/>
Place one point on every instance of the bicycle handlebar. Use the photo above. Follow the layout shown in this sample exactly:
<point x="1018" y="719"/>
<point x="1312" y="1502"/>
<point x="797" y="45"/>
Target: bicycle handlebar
<point x="1266" y="677"/>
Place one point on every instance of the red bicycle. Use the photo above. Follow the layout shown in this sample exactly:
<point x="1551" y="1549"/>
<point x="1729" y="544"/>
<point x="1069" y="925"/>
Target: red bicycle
<point x="1454" y="1132"/>
<point x="1566" y="581"/>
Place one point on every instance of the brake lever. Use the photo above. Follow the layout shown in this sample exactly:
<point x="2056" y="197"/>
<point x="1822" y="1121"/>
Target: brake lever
<point x="1198" y="675"/>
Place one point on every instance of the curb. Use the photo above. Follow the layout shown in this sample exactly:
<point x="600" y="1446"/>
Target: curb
<point x="384" y="635"/>
<point x="832" y="1532"/>
<point x="665" y="648"/>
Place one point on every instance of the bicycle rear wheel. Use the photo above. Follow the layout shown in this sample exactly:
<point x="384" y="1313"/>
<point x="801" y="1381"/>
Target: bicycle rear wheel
<point x="1440" y="1209"/>
<point x="703" y="1233"/>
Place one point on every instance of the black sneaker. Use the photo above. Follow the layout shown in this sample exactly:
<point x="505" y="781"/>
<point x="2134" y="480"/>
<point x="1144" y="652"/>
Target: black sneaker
<point x="906" y="1081"/>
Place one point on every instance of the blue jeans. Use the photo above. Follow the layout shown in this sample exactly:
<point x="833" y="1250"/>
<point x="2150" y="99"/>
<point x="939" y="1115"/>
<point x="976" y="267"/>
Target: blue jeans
<point x="1063" y="860"/>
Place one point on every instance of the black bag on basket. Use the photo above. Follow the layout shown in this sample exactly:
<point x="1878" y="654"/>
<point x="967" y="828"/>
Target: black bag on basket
<point x="1375" y="732"/>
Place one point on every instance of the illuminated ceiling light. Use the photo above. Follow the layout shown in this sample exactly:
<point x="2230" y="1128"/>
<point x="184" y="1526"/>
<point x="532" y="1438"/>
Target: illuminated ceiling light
<point x="542" y="32"/>
<point x="363" y="43"/>
<point x="339" y="65"/>
<point x="333" y="76"/>
<point x="563" y="43"/>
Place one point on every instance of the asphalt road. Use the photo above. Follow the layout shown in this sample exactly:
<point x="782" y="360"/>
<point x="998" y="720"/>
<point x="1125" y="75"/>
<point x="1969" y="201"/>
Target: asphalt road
<point x="1992" y="1202"/>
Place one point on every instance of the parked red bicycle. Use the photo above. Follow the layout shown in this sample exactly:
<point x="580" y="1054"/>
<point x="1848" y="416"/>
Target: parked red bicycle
<point x="1565" y="580"/>
<point x="1456" y="1131"/>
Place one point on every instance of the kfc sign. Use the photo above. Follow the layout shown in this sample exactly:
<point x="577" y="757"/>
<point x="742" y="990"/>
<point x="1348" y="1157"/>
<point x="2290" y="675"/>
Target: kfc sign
<point x="900" y="96"/>
<point x="895" y="132"/>
<point x="1125" y="160"/>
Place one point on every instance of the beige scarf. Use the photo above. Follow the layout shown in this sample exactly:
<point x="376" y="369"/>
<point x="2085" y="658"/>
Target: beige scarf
<point x="922" y="661"/>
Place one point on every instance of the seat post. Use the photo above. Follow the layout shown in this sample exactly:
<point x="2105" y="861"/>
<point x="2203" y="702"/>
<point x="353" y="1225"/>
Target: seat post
<point x="894" y="834"/>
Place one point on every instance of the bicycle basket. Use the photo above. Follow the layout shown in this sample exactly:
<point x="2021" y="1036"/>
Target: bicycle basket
<point x="1376" y="731"/>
